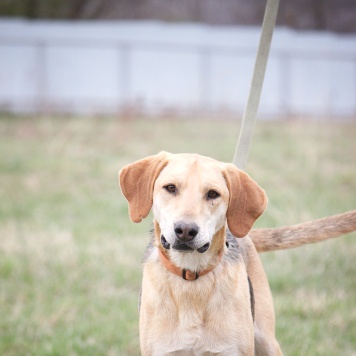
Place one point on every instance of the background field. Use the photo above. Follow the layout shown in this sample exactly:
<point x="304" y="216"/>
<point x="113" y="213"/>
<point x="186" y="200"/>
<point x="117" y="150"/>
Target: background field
<point x="70" y="259"/>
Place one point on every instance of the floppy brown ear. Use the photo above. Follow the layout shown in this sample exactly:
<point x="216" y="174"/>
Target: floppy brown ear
<point x="137" y="182"/>
<point x="246" y="203"/>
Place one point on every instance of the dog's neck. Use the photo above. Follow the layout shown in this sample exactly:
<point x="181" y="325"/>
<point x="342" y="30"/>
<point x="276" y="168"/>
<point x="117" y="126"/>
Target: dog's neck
<point x="185" y="273"/>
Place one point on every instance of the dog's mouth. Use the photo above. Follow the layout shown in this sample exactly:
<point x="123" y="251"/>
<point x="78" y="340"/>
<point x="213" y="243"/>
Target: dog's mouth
<point x="179" y="246"/>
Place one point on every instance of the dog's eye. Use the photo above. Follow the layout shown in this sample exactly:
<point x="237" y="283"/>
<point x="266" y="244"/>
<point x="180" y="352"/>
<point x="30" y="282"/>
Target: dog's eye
<point x="212" y="194"/>
<point x="170" y="188"/>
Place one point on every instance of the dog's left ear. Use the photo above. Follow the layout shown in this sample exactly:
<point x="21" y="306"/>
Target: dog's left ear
<point x="246" y="203"/>
<point x="137" y="182"/>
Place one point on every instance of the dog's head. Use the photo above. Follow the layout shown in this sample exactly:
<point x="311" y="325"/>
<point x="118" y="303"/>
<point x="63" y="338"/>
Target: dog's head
<point x="192" y="197"/>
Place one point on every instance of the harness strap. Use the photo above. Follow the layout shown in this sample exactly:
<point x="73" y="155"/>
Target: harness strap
<point x="252" y="298"/>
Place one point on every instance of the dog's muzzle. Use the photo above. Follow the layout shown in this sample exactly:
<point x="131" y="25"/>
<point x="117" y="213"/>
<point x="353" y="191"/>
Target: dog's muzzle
<point x="181" y="246"/>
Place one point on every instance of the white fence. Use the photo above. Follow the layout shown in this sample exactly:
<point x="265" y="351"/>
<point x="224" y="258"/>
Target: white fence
<point x="107" y="67"/>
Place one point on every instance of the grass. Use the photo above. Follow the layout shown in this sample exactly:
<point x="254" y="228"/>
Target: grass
<point x="70" y="259"/>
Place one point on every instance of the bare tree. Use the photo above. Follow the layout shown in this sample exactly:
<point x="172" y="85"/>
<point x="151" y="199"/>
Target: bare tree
<point x="319" y="14"/>
<point x="337" y="15"/>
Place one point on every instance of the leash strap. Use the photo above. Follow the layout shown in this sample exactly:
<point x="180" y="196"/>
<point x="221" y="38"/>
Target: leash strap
<point x="249" y="116"/>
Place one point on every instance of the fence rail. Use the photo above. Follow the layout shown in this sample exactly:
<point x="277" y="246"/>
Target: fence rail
<point x="107" y="75"/>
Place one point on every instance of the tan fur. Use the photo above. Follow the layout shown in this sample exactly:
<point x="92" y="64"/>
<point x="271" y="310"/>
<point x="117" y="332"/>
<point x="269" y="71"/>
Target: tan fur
<point x="305" y="233"/>
<point x="210" y="315"/>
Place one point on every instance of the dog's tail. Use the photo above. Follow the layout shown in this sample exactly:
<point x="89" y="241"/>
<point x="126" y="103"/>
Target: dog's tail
<point x="305" y="233"/>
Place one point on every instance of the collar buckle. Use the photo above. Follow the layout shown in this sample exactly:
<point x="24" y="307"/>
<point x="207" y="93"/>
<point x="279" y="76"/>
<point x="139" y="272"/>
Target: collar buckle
<point x="189" y="276"/>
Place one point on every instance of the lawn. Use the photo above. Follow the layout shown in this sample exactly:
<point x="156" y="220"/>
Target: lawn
<point x="70" y="259"/>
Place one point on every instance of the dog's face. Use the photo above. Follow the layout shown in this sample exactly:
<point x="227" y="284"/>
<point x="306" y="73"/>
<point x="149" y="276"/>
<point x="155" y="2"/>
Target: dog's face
<point x="190" y="201"/>
<point x="192" y="198"/>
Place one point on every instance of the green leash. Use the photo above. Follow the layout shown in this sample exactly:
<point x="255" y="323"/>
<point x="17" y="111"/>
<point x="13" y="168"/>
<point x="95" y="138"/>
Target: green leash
<point x="250" y="113"/>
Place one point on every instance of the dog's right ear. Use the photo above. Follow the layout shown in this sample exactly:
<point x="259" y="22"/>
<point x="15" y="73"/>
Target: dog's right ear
<point x="137" y="182"/>
<point x="246" y="203"/>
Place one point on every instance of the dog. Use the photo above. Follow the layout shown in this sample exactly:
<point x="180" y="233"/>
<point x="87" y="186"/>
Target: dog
<point x="204" y="289"/>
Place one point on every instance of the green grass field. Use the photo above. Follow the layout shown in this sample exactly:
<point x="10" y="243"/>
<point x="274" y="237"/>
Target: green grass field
<point x="70" y="259"/>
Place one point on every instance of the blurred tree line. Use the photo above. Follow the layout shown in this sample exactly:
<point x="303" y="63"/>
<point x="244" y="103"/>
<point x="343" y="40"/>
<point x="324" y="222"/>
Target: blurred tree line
<point x="333" y="15"/>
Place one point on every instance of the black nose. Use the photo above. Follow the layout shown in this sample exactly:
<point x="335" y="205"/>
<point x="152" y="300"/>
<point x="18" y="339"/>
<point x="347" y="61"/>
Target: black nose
<point x="186" y="231"/>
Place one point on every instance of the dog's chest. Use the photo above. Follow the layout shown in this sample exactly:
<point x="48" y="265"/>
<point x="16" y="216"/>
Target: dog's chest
<point x="196" y="317"/>
<point x="195" y="323"/>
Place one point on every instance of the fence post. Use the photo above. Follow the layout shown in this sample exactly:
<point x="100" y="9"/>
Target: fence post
<point x="42" y="73"/>
<point x="205" y="79"/>
<point x="125" y="85"/>
<point x="285" y="83"/>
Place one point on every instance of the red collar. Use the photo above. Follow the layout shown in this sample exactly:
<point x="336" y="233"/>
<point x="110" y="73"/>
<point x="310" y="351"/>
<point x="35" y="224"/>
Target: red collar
<point x="184" y="273"/>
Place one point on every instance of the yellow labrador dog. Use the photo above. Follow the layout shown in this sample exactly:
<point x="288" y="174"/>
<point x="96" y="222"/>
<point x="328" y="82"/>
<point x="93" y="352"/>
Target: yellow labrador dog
<point x="204" y="289"/>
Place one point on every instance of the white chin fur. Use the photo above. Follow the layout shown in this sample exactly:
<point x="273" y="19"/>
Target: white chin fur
<point x="192" y="260"/>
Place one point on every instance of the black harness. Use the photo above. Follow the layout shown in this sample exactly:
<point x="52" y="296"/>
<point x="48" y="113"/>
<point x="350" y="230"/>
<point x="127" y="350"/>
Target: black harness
<point x="252" y="298"/>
